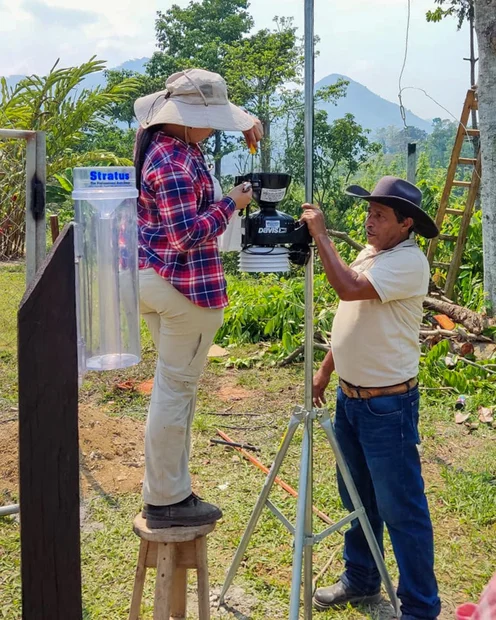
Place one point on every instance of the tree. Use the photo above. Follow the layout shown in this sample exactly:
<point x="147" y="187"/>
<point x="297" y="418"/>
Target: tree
<point x="108" y="138"/>
<point x="199" y="36"/>
<point x="340" y="148"/>
<point x="257" y="67"/>
<point x="123" y="110"/>
<point x="463" y="10"/>
<point x="485" y="26"/>
<point x="50" y="103"/>
<point x="440" y="142"/>
<point x="394" y="140"/>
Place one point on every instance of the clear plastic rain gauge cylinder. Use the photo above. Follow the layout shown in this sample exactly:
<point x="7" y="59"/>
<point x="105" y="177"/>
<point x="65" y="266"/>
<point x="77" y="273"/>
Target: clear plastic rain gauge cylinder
<point x="107" y="257"/>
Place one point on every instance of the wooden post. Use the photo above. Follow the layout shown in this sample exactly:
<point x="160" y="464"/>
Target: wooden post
<point x="411" y="163"/>
<point x="48" y="440"/>
<point x="54" y="227"/>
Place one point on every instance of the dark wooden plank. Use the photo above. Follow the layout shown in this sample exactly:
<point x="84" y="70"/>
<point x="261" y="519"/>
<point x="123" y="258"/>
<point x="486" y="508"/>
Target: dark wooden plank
<point x="48" y="440"/>
<point x="54" y="227"/>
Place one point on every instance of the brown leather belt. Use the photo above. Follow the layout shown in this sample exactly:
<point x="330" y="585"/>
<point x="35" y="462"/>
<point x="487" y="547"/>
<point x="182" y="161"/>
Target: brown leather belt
<point x="354" y="391"/>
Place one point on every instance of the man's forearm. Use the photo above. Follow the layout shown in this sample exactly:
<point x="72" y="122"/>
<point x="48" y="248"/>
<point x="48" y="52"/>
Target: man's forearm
<point x="327" y="366"/>
<point x="342" y="279"/>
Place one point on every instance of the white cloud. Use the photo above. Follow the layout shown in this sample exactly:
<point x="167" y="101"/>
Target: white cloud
<point x="363" y="39"/>
<point x="48" y="15"/>
<point x="34" y="34"/>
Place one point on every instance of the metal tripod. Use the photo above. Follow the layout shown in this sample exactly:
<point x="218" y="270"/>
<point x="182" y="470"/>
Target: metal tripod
<point x="304" y="539"/>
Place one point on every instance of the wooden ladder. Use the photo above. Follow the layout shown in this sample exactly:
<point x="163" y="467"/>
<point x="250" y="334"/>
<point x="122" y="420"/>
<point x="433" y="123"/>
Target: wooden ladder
<point x="452" y="268"/>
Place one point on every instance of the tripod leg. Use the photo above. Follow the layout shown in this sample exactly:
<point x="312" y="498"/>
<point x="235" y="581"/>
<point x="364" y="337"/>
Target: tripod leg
<point x="308" y="547"/>
<point x="325" y="422"/>
<point x="301" y="511"/>
<point x="295" y="420"/>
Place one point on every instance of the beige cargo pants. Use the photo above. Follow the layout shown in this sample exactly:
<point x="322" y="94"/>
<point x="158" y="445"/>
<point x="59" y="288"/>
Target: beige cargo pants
<point x="182" y="333"/>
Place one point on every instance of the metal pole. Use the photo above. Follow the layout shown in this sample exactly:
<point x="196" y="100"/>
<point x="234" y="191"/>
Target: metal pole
<point x="31" y="237"/>
<point x="308" y="543"/>
<point x="309" y="87"/>
<point x="411" y="163"/>
<point x="296" y="418"/>
<point x="325" y="422"/>
<point x="307" y="450"/>
<point x="40" y="198"/>
<point x="11" y="134"/>
<point x="9" y="510"/>
<point x="304" y="491"/>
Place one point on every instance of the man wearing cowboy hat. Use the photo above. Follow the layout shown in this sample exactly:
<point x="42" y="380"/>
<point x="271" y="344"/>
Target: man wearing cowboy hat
<point x="375" y="353"/>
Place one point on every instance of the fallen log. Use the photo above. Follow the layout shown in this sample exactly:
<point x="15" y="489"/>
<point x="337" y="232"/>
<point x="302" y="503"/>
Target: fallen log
<point x="475" y="323"/>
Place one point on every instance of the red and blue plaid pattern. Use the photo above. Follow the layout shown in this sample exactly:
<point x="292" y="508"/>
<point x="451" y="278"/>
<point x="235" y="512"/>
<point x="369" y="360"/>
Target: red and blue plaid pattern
<point x="178" y="221"/>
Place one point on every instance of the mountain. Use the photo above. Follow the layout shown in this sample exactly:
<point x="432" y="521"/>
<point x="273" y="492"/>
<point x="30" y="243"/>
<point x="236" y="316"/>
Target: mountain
<point x="95" y="79"/>
<point x="370" y="110"/>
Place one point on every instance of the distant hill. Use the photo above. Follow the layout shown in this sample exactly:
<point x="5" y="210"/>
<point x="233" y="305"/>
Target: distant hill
<point x="96" y="79"/>
<point x="370" y="110"/>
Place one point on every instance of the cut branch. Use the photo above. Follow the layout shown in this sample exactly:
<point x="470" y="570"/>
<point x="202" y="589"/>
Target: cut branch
<point x="345" y="237"/>
<point x="474" y="322"/>
<point x="297" y="352"/>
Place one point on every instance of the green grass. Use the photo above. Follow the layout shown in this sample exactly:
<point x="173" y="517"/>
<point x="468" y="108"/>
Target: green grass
<point x="460" y="488"/>
<point x="12" y="285"/>
<point x="459" y="469"/>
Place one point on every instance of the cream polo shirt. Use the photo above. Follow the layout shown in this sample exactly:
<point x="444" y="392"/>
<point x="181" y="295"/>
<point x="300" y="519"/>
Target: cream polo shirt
<point x="375" y="343"/>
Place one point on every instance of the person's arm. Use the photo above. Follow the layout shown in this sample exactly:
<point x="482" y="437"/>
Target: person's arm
<point x="348" y="284"/>
<point x="321" y="379"/>
<point x="177" y="202"/>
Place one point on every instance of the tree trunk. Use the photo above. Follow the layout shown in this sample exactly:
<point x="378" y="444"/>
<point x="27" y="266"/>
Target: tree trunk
<point x="473" y="81"/>
<point x="217" y="157"/>
<point x="485" y="27"/>
<point x="474" y="322"/>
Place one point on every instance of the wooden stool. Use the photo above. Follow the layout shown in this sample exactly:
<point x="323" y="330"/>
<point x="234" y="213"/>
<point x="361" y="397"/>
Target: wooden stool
<point x="172" y="551"/>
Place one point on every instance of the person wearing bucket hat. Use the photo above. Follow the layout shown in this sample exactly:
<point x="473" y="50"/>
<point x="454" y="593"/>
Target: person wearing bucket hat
<point x="181" y="214"/>
<point x="375" y="353"/>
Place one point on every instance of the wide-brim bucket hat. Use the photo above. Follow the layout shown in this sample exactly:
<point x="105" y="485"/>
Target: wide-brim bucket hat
<point x="193" y="98"/>
<point x="403" y="196"/>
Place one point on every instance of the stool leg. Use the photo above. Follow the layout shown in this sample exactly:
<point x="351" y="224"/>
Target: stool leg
<point x="202" y="571"/>
<point x="179" y="594"/>
<point x="166" y="553"/>
<point x="139" y="582"/>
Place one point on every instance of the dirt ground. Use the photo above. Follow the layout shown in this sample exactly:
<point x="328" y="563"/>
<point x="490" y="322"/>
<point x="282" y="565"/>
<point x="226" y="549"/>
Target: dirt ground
<point x="111" y="448"/>
<point x="111" y="453"/>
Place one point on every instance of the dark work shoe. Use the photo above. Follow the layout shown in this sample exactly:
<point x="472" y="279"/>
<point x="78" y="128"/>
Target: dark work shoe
<point x="339" y="594"/>
<point x="190" y="512"/>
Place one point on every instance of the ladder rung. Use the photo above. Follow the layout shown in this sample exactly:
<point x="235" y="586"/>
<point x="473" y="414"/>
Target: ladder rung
<point x="448" y="237"/>
<point x="467" y="161"/>
<point x="472" y="132"/>
<point x="455" y="211"/>
<point x="441" y="265"/>
<point x="462" y="183"/>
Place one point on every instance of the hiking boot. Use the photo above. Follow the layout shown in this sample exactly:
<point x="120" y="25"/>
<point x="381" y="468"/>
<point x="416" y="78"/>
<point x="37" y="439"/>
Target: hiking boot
<point x="339" y="594"/>
<point x="190" y="512"/>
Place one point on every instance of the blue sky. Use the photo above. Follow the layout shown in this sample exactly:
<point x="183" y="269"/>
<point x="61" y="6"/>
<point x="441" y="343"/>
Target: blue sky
<point x="363" y="39"/>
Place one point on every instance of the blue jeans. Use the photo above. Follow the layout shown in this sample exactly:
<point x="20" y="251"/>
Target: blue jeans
<point x="379" y="437"/>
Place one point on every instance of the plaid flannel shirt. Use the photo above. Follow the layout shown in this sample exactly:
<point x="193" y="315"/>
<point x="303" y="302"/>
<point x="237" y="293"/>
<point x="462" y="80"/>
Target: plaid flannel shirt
<point x="179" y="222"/>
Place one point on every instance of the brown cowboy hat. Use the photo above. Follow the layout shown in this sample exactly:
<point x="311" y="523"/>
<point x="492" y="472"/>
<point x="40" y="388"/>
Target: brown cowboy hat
<point x="403" y="196"/>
